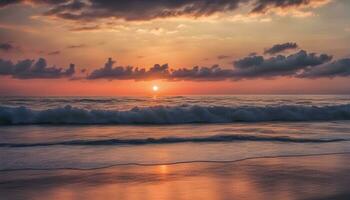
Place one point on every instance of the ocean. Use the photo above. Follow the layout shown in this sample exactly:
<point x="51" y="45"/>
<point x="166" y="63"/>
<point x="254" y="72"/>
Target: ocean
<point x="51" y="133"/>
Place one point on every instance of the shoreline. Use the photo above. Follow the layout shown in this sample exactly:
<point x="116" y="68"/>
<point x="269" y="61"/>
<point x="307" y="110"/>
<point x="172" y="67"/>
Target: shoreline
<point x="301" y="177"/>
<point x="178" y="163"/>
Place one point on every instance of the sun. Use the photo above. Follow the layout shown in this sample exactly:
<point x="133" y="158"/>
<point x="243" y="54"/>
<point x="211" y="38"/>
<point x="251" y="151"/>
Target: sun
<point x="155" y="88"/>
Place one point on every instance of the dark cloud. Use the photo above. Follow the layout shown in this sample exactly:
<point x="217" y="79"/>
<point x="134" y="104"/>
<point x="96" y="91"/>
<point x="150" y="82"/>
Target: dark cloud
<point x="129" y="72"/>
<point x="258" y="66"/>
<point x="202" y="74"/>
<point x="6" y="47"/>
<point x="278" y="48"/>
<point x="54" y="53"/>
<point x="262" y="6"/>
<point x="300" y="64"/>
<point x="159" y="72"/>
<point x="67" y="6"/>
<point x="338" y="68"/>
<point x="131" y="10"/>
<point x="143" y="10"/>
<point x="255" y="67"/>
<point x="6" y="67"/>
<point x="4" y="3"/>
<point x="29" y="69"/>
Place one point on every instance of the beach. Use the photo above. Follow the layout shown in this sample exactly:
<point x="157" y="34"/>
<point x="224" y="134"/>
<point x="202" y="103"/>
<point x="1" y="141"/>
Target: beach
<point x="291" y="178"/>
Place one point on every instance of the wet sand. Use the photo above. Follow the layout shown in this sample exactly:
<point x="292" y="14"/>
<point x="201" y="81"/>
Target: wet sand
<point x="288" y="178"/>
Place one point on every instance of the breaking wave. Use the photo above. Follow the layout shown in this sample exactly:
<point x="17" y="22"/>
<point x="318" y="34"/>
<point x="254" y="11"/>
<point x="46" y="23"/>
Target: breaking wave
<point x="172" y="140"/>
<point x="173" y="115"/>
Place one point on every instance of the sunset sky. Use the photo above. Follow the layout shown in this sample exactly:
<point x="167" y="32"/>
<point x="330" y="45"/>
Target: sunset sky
<point x="105" y="47"/>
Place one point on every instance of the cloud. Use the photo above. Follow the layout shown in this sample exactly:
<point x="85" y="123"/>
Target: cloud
<point x="76" y="46"/>
<point x="300" y="64"/>
<point x="4" y="3"/>
<point x="141" y="10"/>
<point x="67" y="6"/>
<point x="29" y="69"/>
<point x="158" y="72"/>
<point x="221" y="57"/>
<point x="252" y="67"/>
<point x="135" y="10"/>
<point x="213" y="73"/>
<point x="54" y="53"/>
<point x="263" y="6"/>
<point x="258" y="66"/>
<point x="129" y="72"/>
<point x="339" y="68"/>
<point x="278" y="48"/>
<point x="86" y="28"/>
<point x="6" y="47"/>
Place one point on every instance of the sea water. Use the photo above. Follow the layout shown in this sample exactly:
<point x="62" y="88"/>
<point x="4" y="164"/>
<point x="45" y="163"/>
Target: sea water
<point x="95" y="132"/>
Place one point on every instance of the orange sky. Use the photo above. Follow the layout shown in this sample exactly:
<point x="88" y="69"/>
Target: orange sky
<point x="142" y="88"/>
<point x="181" y="41"/>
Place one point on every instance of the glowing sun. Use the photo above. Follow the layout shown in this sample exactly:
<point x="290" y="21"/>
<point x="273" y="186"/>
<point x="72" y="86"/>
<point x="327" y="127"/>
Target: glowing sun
<point x="155" y="88"/>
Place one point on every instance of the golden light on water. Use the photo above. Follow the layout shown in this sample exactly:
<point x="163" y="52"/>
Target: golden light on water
<point x="163" y="169"/>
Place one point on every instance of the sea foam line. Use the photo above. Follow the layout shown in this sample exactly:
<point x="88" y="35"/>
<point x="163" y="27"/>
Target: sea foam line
<point x="172" y="140"/>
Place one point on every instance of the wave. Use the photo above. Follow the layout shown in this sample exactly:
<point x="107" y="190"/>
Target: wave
<point x="173" y="115"/>
<point x="172" y="140"/>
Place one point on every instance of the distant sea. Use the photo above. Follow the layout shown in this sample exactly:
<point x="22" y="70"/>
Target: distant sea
<point x="95" y="132"/>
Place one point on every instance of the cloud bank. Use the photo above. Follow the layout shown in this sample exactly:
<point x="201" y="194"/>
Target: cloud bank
<point x="300" y="65"/>
<point x="29" y="69"/>
<point x="136" y="10"/>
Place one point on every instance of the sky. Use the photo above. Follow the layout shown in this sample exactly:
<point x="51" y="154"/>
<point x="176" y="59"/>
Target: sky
<point x="185" y="47"/>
